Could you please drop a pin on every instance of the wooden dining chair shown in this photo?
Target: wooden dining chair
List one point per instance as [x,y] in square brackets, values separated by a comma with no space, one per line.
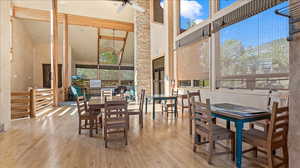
[192,96]
[116,121]
[169,105]
[139,111]
[265,124]
[275,138]
[91,118]
[207,129]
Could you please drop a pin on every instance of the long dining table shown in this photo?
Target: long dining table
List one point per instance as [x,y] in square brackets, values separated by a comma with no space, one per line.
[239,115]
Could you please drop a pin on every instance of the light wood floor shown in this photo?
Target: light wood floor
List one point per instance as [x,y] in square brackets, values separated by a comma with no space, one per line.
[52,141]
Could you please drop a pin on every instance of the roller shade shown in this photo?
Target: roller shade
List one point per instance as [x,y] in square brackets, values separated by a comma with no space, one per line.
[195,36]
[247,10]
[193,61]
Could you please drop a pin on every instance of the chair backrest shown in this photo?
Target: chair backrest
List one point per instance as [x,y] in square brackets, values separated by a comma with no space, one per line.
[202,115]
[116,110]
[142,99]
[81,105]
[192,96]
[278,131]
[106,93]
[174,92]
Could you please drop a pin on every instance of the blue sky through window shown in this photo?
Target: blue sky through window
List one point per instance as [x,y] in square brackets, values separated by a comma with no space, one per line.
[225,3]
[259,29]
[193,12]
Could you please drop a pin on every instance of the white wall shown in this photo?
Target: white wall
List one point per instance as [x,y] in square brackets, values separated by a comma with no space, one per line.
[5,113]
[22,60]
[158,41]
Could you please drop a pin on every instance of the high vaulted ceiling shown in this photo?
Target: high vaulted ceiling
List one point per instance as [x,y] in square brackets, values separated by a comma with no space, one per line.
[83,40]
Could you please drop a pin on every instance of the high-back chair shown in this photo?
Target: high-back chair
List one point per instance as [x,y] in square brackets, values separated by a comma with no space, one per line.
[275,138]
[206,128]
[139,111]
[116,121]
[192,96]
[90,118]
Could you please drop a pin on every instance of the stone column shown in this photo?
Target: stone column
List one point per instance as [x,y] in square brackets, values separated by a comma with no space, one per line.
[142,59]
[294,126]
[5,55]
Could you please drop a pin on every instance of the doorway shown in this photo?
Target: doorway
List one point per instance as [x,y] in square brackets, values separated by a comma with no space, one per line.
[158,76]
[47,75]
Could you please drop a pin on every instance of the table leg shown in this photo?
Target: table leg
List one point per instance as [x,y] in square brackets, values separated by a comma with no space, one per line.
[176,112]
[182,106]
[239,143]
[228,124]
[146,105]
[153,110]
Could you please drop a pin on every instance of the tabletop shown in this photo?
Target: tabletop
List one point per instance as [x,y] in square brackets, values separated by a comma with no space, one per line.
[238,112]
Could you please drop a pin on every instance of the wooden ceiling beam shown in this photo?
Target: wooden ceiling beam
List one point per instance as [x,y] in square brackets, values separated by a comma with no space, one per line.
[112,38]
[43,15]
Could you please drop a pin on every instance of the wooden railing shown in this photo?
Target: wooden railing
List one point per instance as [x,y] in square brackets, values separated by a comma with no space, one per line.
[20,105]
[30,103]
[41,98]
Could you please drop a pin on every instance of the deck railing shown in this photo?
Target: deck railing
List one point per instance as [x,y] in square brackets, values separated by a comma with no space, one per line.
[20,105]
[30,103]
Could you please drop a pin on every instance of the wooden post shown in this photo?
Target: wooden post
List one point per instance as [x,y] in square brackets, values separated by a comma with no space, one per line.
[54,52]
[98,54]
[66,77]
[170,42]
[32,102]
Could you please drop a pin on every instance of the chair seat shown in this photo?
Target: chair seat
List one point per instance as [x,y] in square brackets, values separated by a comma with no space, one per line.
[255,137]
[134,111]
[218,132]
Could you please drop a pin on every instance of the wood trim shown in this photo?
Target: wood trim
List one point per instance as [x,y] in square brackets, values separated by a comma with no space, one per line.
[98,54]
[54,51]
[112,38]
[66,55]
[123,49]
[43,15]
[171,39]
[107,67]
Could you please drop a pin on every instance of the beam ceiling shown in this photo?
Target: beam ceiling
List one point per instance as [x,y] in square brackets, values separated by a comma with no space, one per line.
[44,15]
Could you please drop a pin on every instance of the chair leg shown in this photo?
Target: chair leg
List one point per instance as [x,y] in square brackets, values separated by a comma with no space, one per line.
[141,120]
[285,154]
[126,137]
[210,152]
[96,126]
[233,148]
[105,136]
[79,128]
[191,124]
[270,158]
[91,127]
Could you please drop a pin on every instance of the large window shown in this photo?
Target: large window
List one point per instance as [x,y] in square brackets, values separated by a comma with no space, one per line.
[193,12]
[225,3]
[254,53]
[158,11]
[109,77]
